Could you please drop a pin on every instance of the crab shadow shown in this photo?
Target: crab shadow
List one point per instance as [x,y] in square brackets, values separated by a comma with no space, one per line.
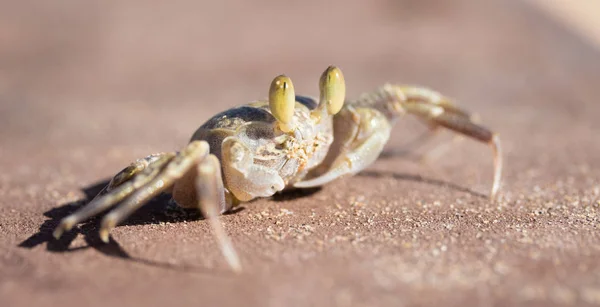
[411,156]
[161,210]
[295,194]
[418,178]
[156,211]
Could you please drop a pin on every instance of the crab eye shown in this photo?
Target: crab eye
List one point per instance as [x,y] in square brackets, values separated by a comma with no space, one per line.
[333,89]
[282,100]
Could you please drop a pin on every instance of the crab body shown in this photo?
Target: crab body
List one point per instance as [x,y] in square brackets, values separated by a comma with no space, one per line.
[284,142]
[244,141]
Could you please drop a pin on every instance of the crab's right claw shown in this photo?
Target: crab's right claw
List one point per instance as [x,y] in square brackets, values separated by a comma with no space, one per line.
[282,101]
[368,132]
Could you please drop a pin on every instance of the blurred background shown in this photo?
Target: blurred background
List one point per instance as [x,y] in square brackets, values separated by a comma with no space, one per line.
[145,74]
[151,50]
[102,64]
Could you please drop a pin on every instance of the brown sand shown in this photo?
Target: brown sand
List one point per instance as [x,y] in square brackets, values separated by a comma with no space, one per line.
[85,88]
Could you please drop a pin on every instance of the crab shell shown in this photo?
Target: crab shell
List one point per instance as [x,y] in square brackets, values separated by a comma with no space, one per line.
[291,155]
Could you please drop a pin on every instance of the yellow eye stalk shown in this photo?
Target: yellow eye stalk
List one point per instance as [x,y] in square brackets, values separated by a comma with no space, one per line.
[333,89]
[282,101]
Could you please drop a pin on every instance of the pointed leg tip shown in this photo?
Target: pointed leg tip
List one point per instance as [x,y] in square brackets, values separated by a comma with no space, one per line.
[497,166]
[234,262]
[225,244]
[231,256]
[65,225]
[494,192]
[237,269]
[104,235]
[107,224]
[58,232]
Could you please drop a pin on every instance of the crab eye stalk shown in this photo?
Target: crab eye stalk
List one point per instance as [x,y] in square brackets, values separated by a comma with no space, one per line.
[333,89]
[282,100]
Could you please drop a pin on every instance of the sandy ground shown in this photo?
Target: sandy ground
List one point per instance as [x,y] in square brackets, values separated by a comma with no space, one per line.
[87,87]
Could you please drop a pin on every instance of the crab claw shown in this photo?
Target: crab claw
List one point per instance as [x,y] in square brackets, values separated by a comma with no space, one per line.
[333,89]
[282,101]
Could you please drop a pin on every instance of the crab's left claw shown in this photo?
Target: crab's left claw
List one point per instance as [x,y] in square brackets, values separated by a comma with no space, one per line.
[366,131]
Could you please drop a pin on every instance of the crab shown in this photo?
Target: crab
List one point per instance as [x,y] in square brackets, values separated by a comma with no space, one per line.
[268,146]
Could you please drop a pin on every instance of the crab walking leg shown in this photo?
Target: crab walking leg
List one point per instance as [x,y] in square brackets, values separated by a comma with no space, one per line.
[468,128]
[137,167]
[193,154]
[392,99]
[122,185]
[367,132]
[209,186]
[437,110]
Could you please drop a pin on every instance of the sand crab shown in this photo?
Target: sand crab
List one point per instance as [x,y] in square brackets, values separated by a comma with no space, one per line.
[265,147]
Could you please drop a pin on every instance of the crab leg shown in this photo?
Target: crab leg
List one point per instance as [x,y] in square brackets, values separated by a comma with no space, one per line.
[353,123]
[431,106]
[437,110]
[122,185]
[193,154]
[211,192]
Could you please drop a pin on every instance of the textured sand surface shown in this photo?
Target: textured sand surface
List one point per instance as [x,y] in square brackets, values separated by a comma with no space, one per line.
[86,87]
